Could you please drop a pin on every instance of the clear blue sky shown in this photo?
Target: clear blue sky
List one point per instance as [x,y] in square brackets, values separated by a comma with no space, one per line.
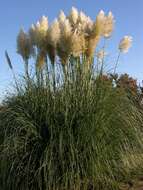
[16,13]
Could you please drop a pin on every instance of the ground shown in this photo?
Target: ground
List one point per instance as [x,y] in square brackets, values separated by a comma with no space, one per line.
[133,185]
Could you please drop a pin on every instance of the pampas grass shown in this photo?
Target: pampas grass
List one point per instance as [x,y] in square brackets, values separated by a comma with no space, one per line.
[69,127]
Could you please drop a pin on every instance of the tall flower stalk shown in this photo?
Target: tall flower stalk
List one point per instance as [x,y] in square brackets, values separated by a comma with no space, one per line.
[116,63]
[11,67]
[25,49]
[124,46]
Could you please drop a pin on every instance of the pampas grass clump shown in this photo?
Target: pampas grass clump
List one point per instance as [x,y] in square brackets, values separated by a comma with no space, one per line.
[69,126]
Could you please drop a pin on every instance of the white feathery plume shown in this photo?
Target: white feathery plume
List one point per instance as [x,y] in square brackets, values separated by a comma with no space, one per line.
[61,17]
[82,17]
[43,24]
[73,16]
[66,28]
[88,26]
[53,34]
[38,32]
[77,44]
[108,25]
[32,34]
[104,25]
[24,45]
[101,54]
[64,44]
[125,44]
[99,24]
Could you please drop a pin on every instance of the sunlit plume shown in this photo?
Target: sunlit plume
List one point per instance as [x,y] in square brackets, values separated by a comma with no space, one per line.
[66,28]
[88,26]
[39,31]
[125,44]
[32,34]
[64,45]
[53,36]
[104,25]
[94,34]
[82,17]
[43,24]
[53,33]
[78,44]
[92,43]
[85,23]
[61,17]
[24,45]
[101,54]
[108,25]
[73,16]
[99,24]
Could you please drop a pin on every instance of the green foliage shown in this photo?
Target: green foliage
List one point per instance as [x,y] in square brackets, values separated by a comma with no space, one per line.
[81,134]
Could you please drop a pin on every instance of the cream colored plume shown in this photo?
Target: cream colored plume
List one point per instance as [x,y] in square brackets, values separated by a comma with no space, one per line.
[85,23]
[32,34]
[24,45]
[101,54]
[64,45]
[92,43]
[53,33]
[53,37]
[73,16]
[66,28]
[78,44]
[94,33]
[61,17]
[99,24]
[42,25]
[38,32]
[108,25]
[125,44]
[104,24]
[88,26]
[82,17]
